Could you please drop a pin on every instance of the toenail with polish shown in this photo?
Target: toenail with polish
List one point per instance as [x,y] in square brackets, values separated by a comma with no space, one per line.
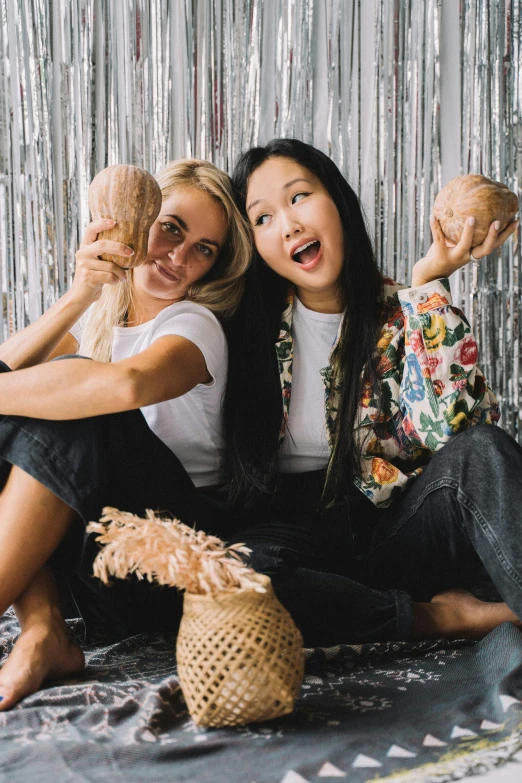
[1,698]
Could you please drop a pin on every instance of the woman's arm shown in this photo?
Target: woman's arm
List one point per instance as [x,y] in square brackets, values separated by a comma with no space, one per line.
[42,339]
[67,345]
[442,259]
[79,388]
[36,342]
[442,390]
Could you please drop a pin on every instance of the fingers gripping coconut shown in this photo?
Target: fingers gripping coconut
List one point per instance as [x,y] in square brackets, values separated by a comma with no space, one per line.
[132,197]
[476,196]
[124,201]
[472,216]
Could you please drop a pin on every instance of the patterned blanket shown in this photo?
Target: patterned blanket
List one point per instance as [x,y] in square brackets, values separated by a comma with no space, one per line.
[425,712]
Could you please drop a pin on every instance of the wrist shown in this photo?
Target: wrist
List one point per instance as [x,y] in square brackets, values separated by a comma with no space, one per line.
[79,300]
[74,306]
[420,274]
[417,280]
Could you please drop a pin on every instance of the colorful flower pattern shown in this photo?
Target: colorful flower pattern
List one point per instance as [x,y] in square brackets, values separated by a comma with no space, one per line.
[431,388]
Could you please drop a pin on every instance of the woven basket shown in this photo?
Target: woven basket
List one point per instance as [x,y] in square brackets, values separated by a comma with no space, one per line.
[240,657]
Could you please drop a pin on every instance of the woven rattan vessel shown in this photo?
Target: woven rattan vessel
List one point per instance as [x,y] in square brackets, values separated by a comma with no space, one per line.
[240,657]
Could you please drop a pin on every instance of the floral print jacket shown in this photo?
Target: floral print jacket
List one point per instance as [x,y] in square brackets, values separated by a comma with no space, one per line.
[431,387]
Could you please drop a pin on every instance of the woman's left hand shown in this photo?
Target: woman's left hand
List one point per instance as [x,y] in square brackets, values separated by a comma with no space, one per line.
[443,258]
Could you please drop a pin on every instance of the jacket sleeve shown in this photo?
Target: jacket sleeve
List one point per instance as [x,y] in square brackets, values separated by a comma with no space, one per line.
[442,391]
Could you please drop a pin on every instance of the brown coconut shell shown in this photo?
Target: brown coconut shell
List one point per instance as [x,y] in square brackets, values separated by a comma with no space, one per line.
[473,195]
[132,197]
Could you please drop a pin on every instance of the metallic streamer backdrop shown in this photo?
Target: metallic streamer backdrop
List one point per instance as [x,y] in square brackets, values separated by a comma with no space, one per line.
[491,142]
[88,83]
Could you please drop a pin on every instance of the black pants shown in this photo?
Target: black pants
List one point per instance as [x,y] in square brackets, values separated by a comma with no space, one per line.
[317,560]
[460,524]
[349,574]
[111,460]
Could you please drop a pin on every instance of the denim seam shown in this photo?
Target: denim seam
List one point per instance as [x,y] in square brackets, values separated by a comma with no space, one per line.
[48,451]
[467,503]
[403,630]
[503,560]
[442,482]
[82,495]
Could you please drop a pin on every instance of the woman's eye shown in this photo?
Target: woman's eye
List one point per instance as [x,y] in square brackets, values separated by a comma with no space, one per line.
[261,220]
[298,197]
[205,250]
[172,228]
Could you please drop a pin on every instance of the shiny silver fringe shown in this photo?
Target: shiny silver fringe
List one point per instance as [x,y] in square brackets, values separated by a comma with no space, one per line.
[87,83]
[491,143]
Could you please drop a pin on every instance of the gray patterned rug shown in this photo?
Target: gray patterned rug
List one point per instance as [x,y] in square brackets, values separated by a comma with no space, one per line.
[425,712]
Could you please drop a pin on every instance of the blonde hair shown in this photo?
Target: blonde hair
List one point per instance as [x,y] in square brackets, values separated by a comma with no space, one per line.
[220,290]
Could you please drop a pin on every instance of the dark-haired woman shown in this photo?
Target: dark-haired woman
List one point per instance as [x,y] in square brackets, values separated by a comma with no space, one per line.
[353,410]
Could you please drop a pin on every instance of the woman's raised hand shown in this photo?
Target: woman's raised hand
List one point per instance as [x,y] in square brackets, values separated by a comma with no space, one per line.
[91,272]
[443,258]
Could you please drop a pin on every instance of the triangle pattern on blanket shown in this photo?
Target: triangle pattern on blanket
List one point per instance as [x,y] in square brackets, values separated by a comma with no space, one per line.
[507,701]
[400,753]
[430,741]
[329,770]
[458,731]
[487,724]
[366,761]
[294,777]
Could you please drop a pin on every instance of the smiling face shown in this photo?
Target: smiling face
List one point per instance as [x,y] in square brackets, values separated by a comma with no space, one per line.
[184,243]
[298,230]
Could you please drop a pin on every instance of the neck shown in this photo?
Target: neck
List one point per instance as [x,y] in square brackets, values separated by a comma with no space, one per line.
[328,302]
[143,309]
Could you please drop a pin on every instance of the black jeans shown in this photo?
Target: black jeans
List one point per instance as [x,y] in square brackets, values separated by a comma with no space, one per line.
[111,460]
[316,558]
[458,525]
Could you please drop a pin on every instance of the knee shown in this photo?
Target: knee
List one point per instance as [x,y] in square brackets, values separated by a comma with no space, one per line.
[485,436]
[488,445]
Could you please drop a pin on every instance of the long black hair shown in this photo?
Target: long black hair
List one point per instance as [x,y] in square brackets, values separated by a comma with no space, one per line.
[253,402]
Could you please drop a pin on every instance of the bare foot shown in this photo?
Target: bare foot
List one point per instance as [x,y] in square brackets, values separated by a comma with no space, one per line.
[42,651]
[458,614]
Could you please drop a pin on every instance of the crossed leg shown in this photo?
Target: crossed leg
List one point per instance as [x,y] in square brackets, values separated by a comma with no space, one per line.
[33,521]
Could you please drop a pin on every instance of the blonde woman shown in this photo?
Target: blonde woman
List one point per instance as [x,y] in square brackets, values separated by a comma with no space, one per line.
[136,425]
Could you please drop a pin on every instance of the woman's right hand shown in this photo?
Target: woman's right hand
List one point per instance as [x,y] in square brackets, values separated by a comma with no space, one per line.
[91,272]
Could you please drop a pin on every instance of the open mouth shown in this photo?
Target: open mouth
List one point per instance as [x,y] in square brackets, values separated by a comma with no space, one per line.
[307,252]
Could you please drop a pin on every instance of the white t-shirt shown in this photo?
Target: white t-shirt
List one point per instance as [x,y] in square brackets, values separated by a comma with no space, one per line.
[305,446]
[190,425]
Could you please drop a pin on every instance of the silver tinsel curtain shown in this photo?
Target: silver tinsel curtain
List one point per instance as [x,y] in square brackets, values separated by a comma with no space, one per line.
[403,94]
